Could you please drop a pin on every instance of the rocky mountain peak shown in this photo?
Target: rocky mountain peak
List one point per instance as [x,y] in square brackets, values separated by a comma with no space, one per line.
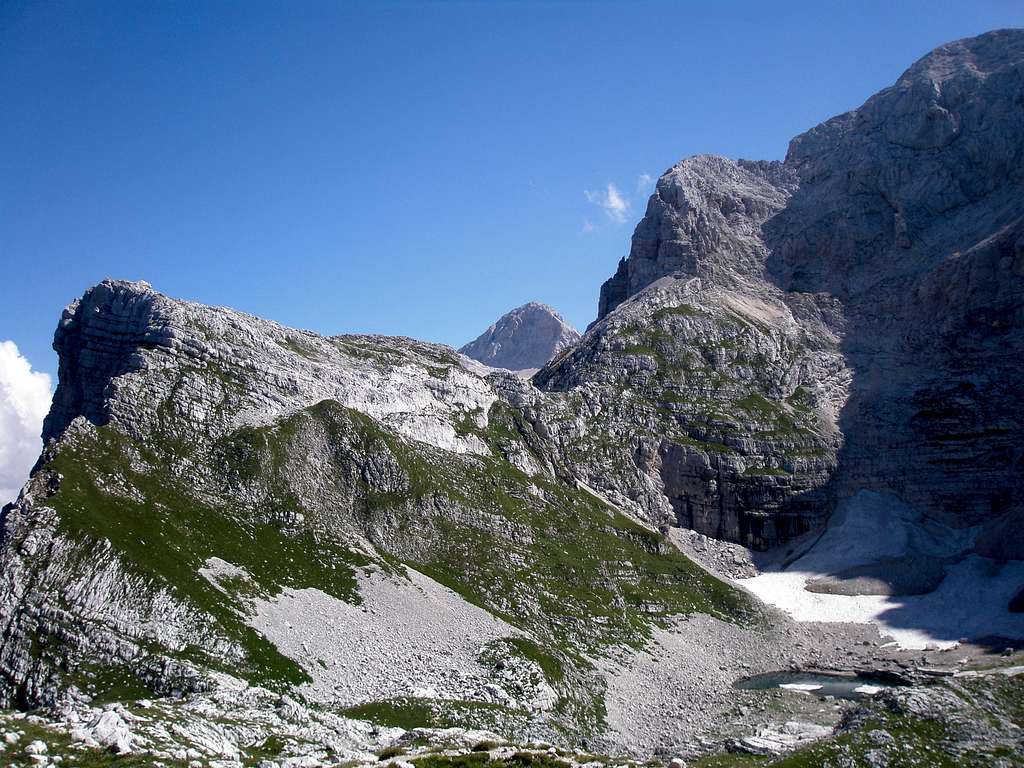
[974,57]
[888,248]
[923,151]
[525,338]
[703,220]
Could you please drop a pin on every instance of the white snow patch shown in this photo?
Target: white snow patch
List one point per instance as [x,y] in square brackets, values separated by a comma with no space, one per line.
[868,690]
[971,601]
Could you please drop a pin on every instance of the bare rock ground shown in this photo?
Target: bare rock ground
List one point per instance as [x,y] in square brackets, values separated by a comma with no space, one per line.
[677,695]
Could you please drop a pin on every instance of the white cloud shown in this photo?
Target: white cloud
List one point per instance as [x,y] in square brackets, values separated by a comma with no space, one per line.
[24,400]
[611,200]
[644,184]
[588,226]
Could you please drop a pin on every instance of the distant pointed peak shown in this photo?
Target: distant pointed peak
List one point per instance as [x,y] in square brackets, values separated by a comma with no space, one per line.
[524,338]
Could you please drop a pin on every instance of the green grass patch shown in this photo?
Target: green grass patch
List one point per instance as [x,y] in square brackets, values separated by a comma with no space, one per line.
[729,760]
[709,446]
[771,471]
[410,713]
[482,760]
[680,310]
[549,664]
[757,404]
[298,346]
[165,534]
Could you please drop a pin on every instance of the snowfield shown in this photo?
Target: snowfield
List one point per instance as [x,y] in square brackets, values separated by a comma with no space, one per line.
[971,601]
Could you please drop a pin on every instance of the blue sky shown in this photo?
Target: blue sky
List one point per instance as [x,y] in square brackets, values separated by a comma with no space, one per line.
[406,168]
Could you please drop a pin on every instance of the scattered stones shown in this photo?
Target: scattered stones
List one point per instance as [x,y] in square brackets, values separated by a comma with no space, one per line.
[398,641]
[110,730]
[776,740]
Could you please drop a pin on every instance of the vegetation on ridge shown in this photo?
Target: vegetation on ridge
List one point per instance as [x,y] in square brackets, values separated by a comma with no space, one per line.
[539,552]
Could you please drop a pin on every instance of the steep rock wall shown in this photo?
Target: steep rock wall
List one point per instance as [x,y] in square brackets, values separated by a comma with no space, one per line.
[901,224]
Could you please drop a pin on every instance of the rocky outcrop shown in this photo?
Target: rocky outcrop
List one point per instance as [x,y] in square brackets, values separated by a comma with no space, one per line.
[524,339]
[740,383]
[703,220]
[124,347]
[893,238]
[910,212]
[708,407]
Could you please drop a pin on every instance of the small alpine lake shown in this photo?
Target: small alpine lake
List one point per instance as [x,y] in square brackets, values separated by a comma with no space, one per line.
[817,683]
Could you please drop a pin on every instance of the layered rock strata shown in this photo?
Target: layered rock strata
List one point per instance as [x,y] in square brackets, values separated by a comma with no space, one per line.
[891,242]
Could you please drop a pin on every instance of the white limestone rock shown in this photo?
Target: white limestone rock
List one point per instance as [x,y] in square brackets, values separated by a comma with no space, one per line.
[523,339]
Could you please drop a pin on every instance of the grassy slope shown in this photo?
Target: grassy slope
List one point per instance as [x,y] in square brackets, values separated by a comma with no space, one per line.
[165,533]
[544,555]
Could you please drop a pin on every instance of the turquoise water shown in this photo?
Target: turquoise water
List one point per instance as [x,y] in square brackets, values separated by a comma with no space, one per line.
[824,685]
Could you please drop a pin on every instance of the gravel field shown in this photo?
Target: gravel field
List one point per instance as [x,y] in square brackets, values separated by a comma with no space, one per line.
[409,637]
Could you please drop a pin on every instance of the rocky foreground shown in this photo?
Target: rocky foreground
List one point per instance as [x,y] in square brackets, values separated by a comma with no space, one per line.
[246,544]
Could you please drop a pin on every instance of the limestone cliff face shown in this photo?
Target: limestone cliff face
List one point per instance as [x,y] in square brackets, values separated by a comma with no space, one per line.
[703,220]
[523,339]
[893,237]
[124,347]
[910,212]
[709,407]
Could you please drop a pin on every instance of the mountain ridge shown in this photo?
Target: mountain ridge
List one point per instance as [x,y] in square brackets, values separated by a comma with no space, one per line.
[222,502]
[894,235]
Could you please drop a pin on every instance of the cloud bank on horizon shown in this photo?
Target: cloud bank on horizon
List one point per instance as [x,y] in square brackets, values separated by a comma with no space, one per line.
[25,397]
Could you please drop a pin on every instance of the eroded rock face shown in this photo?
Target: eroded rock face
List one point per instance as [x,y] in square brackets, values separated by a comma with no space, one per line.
[706,407]
[124,347]
[729,388]
[893,238]
[703,220]
[910,211]
[523,339]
